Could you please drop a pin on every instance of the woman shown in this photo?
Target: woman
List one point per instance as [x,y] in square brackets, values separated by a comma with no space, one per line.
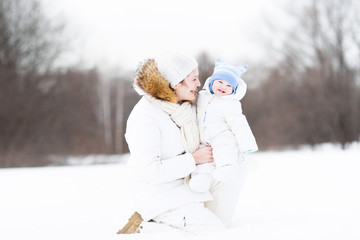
[163,139]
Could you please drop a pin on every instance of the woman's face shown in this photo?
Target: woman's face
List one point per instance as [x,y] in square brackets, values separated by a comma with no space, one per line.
[186,90]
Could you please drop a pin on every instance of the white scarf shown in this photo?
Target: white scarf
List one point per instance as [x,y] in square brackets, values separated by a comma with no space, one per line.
[183,116]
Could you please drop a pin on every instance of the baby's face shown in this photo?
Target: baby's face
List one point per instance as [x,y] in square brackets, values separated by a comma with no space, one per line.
[221,88]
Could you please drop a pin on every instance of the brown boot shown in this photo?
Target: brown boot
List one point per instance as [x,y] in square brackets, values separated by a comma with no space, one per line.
[132,225]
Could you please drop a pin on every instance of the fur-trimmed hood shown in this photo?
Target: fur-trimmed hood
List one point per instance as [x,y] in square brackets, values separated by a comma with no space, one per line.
[149,81]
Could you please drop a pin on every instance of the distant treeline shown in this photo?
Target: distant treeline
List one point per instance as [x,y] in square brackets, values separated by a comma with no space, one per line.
[310,96]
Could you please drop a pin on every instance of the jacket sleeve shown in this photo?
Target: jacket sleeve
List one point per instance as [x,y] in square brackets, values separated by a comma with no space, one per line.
[144,139]
[239,125]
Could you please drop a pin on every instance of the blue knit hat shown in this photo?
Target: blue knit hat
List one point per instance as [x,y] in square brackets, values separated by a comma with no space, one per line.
[227,72]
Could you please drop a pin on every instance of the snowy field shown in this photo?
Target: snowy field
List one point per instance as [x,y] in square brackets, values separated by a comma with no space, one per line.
[304,194]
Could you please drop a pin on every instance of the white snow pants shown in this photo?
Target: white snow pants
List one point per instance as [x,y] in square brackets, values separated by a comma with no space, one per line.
[226,159]
[191,218]
[198,217]
[225,149]
[226,195]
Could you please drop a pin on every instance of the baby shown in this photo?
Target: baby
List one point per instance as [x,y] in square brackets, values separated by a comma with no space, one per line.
[222,125]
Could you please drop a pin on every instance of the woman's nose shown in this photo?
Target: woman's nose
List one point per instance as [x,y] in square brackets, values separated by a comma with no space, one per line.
[197,83]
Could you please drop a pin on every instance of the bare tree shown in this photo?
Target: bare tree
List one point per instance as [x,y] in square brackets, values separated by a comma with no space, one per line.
[43,111]
[206,67]
[119,116]
[319,52]
[29,42]
[313,94]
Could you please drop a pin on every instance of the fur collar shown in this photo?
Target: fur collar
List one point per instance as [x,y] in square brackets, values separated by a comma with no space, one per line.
[151,82]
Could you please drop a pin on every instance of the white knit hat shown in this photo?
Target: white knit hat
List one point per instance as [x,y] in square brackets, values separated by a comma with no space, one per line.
[175,67]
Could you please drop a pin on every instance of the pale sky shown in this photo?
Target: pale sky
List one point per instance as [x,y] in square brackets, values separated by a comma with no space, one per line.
[119,34]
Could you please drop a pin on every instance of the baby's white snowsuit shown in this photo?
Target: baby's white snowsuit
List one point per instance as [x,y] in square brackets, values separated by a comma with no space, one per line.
[224,127]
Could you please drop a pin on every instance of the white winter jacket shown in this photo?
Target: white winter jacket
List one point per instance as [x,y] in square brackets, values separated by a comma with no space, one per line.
[217,115]
[158,162]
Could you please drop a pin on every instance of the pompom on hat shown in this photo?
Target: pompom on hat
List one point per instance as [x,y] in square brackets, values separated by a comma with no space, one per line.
[175,67]
[227,72]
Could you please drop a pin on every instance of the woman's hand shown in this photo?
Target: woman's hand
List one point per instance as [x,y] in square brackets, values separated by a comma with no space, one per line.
[203,155]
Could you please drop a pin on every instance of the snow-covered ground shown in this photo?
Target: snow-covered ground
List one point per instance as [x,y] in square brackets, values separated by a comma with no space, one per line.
[304,194]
